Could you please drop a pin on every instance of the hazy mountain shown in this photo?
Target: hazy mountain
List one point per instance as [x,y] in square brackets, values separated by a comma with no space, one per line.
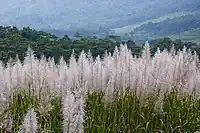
[64,14]
[185,27]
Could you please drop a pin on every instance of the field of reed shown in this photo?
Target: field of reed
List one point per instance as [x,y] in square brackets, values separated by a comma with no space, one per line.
[118,93]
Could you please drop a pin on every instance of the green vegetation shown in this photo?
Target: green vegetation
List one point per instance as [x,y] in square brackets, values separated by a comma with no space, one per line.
[145,103]
[129,28]
[49,121]
[183,25]
[126,114]
[171,26]
[110,14]
[189,35]
[14,41]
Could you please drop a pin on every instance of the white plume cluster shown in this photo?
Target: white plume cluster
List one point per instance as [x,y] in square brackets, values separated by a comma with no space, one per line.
[118,71]
[30,124]
[145,75]
[73,113]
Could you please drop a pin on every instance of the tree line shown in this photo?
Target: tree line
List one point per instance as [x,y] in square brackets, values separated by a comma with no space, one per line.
[14,41]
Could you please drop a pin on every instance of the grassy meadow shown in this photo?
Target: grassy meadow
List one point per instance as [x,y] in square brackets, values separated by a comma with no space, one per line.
[118,93]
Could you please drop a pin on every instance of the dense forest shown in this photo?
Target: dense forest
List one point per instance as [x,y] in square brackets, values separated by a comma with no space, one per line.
[15,41]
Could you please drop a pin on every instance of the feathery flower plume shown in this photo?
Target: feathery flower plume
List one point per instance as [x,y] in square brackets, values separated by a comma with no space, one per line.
[73,113]
[29,124]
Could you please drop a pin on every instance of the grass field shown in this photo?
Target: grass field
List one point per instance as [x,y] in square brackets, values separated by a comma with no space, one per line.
[125,114]
[117,94]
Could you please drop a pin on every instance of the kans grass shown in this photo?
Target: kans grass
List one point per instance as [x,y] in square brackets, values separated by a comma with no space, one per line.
[119,93]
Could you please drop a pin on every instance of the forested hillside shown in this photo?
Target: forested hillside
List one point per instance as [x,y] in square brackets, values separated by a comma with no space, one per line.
[170,26]
[87,14]
[14,41]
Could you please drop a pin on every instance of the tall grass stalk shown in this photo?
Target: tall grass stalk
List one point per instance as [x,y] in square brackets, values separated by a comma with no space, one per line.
[118,93]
